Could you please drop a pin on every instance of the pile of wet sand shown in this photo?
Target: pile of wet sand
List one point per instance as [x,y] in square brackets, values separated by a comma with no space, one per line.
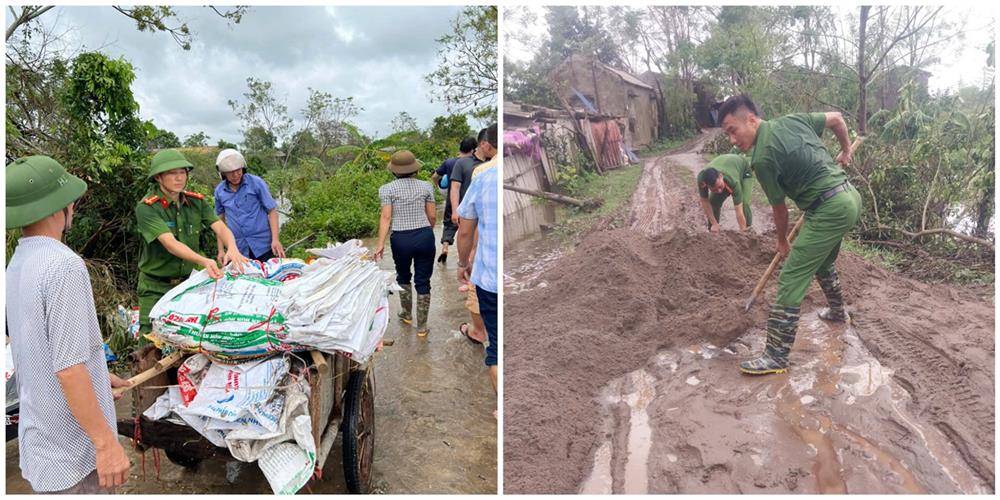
[620,298]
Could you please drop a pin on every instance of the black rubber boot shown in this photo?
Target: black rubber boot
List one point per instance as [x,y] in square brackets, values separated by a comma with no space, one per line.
[781,325]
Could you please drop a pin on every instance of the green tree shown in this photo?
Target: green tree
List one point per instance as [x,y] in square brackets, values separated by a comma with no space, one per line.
[196,140]
[159,139]
[450,129]
[403,122]
[466,76]
[265,117]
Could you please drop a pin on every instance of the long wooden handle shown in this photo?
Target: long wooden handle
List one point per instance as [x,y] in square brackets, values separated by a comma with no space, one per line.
[161,366]
[774,264]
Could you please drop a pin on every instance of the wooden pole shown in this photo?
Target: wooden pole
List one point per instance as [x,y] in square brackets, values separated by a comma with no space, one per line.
[548,196]
[161,366]
[319,361]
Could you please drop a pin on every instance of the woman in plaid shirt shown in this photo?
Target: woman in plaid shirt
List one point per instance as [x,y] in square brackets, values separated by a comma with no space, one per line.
[408,209]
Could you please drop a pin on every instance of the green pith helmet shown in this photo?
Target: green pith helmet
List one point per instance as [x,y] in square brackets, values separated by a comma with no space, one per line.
[167,160]
[37,187]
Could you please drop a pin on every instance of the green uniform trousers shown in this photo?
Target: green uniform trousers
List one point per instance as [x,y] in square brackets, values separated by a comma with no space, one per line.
[716,200]
[816,248]
[150,290]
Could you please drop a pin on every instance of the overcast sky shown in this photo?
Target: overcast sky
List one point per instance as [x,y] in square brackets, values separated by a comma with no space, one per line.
[962,61]
[378,55]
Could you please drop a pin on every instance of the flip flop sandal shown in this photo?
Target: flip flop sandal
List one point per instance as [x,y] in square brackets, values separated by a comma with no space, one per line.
[423,333]
[443,258]
[465,332]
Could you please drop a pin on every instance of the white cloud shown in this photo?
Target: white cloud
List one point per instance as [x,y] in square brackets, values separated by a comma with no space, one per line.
[378,55]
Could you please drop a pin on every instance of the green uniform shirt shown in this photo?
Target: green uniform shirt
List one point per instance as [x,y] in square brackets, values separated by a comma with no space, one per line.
[734,168]
[186,219]
[790,160]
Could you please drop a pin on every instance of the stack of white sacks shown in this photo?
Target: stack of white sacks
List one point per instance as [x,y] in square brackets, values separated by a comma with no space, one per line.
[337,303]
[257,409]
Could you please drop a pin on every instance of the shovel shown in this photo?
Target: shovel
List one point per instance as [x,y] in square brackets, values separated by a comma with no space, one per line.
[774,264]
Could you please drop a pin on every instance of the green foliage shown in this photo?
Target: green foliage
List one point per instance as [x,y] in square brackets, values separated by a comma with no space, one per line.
[527,83]
[738,51]
[264,116]
[678,103]
[159,139]
[224,144]
[451,128]
[575,30]
[343,206]
[929,166]
[572,167]
[466,76]
[197,140]
[338,203]
[664,145]
[613,190]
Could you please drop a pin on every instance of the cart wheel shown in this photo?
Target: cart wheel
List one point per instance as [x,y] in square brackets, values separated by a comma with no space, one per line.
[186,461]
[359,431]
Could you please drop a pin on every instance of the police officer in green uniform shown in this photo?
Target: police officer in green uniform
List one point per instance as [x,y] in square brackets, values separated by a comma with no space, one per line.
[790,160]
[726,175]
[170,222]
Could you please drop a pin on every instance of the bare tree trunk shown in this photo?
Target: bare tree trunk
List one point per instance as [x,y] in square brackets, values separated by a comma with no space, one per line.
[862,76]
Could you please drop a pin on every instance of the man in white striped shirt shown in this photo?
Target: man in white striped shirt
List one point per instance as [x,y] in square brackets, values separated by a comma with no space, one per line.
[67,433]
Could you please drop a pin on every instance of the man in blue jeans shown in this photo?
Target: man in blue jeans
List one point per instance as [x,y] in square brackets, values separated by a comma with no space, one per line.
[478,213]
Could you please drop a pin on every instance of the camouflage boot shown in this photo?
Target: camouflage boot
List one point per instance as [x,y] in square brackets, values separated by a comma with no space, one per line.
[406,304]
[781,326]
[834,297]
[423,308]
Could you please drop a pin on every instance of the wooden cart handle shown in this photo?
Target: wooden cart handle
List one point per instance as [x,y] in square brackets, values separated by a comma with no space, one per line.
[161,366]
[319,361]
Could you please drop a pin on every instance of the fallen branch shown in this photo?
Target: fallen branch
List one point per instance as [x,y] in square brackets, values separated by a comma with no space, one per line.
[550,196]
[954,234]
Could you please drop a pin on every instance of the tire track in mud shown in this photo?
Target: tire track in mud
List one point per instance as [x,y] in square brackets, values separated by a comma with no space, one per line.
[665,199]
[659,202]
[939,387]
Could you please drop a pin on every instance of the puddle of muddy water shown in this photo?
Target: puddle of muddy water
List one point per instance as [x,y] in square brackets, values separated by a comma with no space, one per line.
[535,256]
[831,416]
[635,391]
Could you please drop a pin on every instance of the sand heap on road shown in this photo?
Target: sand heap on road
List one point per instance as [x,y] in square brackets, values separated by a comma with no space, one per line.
[617,300]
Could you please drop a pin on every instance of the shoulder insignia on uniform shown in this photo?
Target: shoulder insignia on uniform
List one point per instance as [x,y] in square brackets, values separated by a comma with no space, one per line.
[152,199]
[194,195]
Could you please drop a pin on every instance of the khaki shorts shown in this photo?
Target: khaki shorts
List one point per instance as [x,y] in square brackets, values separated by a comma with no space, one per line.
[471,301]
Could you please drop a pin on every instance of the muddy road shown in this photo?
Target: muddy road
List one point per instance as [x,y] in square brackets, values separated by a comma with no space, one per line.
[434,426]
[633,387]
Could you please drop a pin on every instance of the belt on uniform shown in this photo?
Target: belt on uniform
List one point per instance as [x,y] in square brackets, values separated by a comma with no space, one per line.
[826,195]
[169,281]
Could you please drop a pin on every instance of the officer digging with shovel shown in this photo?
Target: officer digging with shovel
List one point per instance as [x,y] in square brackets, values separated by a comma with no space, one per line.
[790,160]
